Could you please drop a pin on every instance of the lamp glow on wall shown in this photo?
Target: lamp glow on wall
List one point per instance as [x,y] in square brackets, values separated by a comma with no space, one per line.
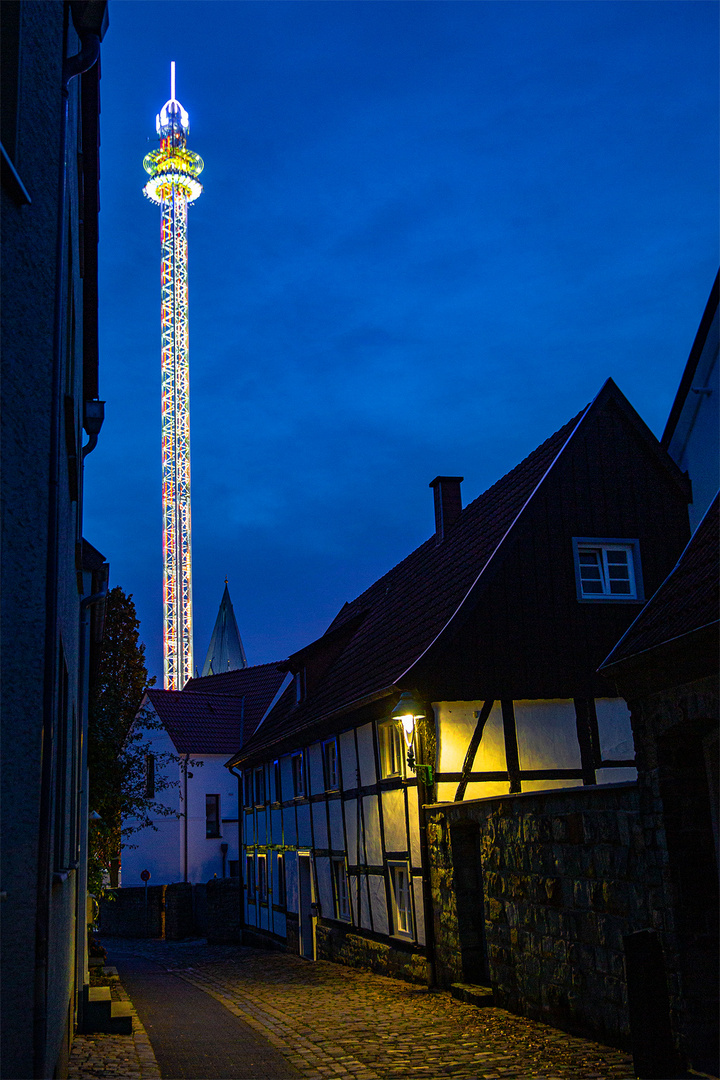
[407,711]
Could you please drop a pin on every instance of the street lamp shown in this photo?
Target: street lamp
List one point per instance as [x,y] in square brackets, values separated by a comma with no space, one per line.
[407,711]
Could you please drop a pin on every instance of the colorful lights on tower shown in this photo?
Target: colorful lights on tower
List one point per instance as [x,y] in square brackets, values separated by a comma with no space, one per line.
[173,185]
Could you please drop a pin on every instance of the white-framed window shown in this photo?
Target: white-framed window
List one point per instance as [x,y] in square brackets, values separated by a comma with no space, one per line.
[340,889]
[607,569]
[262,879]
[212,816]
[392,749]
[298,774]
[281,889]
[330,764]
[259,778]
[247,787]
[250,876]
[400,886]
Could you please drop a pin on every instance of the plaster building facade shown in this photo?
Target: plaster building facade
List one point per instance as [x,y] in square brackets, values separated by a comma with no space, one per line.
[190,733]
[51,580]
[467,673]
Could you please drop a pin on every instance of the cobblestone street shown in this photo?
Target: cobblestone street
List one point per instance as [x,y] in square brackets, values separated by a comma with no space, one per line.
[331,1021]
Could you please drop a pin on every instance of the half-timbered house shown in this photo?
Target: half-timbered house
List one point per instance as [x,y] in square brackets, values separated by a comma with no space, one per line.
[468,670]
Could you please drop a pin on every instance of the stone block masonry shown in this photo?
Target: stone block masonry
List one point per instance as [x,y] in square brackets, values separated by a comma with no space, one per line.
[563,875]
[176,911]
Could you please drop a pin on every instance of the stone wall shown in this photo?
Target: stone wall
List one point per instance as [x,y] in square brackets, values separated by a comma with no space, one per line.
[565,875]
[343,946]
[179,921]
[123,912]
[174,911]
[675,733]
[223,897]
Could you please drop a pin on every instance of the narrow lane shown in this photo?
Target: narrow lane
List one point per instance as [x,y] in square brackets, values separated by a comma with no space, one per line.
[192,1035]
[331,1021]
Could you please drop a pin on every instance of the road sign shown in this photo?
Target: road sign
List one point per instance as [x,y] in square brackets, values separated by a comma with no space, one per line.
[145,875]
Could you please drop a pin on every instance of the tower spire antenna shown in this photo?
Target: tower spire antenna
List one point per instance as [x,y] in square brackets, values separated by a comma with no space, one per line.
[173,185]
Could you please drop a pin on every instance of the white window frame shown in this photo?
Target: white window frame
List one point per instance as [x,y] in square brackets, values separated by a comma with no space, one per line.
[250,876]
[281,880]
[298,774]
[330,765]
[600,546]
[401,899]
[262,879]
[247,787]
[259,786]
[341,892]
[391,746]
[208,818]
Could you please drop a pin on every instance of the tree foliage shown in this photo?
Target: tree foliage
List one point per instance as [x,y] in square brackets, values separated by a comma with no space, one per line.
[116,758]
[119,742]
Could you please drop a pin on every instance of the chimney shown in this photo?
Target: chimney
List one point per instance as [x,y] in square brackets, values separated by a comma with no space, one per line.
[448,503]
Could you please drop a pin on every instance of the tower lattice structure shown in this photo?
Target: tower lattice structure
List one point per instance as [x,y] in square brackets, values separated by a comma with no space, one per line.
[173,185]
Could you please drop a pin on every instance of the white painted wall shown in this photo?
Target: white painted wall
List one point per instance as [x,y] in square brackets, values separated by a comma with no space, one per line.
[161,850]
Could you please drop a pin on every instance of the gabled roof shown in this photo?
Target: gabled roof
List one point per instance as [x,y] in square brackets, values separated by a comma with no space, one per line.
[687,601]
[417,603]
[258,680]
[701,340]
[225,652]
[216,714]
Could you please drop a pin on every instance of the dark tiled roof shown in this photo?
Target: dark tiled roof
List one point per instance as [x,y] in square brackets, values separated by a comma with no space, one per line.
[410,605]
[687,600]
[259,679]
[216,714]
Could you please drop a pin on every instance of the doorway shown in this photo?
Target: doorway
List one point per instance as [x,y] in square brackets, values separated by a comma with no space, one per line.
[306,907]
[467,871]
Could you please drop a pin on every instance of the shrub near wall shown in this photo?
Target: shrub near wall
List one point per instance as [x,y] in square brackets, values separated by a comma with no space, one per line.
[565,875]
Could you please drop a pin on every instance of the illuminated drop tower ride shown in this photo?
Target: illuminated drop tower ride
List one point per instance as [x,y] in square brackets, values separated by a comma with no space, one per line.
[173,184]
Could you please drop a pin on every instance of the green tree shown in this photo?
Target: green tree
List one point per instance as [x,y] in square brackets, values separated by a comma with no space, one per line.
[117,746]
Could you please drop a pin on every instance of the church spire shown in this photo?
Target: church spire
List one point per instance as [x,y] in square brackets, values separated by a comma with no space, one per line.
[226,651]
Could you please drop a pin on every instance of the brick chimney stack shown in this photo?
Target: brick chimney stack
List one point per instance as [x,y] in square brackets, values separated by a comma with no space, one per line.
[448,503]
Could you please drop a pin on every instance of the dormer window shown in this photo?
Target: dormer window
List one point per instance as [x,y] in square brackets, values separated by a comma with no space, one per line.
[607,570]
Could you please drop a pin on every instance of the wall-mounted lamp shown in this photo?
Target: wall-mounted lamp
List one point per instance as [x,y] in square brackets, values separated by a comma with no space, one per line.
[407,711]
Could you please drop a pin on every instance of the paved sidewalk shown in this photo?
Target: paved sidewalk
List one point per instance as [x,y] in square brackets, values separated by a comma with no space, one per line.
[192,1034]
[329,1021]
[115,1057]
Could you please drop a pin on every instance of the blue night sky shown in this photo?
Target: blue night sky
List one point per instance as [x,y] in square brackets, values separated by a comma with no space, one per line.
[429,232]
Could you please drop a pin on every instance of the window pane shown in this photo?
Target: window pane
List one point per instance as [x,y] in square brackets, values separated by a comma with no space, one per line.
[212,815]
[591,571]
[618,570]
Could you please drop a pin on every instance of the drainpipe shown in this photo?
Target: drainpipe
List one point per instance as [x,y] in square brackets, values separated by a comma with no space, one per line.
[185,845]
[72,67]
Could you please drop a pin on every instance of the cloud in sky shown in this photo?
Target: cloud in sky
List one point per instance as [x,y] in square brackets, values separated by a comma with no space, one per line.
[429,232]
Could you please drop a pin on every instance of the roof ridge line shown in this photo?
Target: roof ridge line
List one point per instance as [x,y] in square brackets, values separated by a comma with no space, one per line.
[507,532]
